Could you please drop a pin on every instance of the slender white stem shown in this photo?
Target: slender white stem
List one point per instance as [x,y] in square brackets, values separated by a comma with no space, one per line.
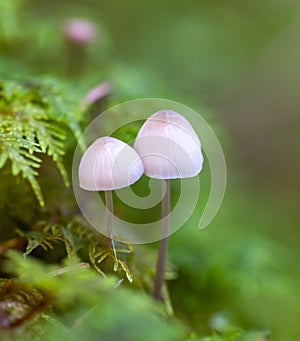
[109,219]
[163,244]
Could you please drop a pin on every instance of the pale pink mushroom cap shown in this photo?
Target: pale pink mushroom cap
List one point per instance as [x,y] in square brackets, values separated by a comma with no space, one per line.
[169,147]
[79,31]
[109,164]
[98,92]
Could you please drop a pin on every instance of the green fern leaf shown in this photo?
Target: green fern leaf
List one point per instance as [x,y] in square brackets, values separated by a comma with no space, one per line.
[36,118]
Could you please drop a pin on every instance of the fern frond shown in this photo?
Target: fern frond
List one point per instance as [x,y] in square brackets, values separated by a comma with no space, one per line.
[126,270]
[14,148]
[102,255]
[48,237]
[75,235]
[36,118]
[92,251]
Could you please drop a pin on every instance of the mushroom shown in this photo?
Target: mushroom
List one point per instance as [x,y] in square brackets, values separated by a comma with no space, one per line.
[78,34]
[109,164]
[95,98]
[169,148]
[97,93]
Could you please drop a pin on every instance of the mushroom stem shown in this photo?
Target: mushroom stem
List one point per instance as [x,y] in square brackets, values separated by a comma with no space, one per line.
[109,218]
[76,59]
[163,245]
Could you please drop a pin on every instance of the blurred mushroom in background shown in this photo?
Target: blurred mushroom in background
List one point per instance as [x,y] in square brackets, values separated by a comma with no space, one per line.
[78,35]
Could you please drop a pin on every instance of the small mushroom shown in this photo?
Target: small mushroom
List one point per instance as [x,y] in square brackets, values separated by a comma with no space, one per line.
[97,93]
[169,148]
[79,31]
[106,165]
[95,99]
[78,35]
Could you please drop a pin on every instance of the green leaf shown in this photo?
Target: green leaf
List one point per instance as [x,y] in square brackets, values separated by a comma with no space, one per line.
[36,118]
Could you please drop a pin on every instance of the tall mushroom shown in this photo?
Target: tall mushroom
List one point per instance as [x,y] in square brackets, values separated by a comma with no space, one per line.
[78,35]
[169,148]
[106,165]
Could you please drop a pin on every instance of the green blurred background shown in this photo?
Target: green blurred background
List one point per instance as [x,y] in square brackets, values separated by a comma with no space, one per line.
[238,64]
